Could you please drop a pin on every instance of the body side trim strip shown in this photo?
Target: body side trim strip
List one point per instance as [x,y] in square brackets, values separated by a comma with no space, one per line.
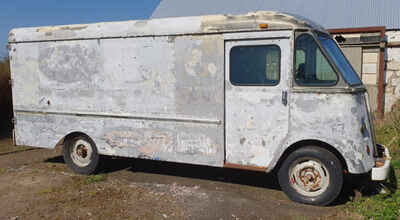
[122,116]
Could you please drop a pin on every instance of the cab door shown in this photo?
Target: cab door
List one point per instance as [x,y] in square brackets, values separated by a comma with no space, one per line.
[256,96]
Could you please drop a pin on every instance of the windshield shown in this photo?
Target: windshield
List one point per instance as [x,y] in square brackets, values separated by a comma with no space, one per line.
[340,60]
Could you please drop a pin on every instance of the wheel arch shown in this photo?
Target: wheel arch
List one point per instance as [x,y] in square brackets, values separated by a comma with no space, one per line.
[310,142]
[70,135]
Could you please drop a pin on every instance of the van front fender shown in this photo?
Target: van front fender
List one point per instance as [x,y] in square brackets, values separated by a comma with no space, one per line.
[355,158]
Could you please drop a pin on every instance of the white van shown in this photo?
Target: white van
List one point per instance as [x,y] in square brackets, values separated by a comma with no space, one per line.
[263,91]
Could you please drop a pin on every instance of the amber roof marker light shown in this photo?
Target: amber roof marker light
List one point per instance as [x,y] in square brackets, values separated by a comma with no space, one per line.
[263,26]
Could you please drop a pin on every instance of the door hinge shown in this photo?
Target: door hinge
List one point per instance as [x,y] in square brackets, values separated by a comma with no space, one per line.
[14,121]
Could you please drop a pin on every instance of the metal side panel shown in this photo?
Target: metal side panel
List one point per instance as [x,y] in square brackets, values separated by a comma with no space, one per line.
[157,77]
[124,93]
[341,120]
[167,140]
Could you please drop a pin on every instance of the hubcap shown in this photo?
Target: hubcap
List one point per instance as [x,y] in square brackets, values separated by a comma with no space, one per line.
[309,177]
[81,153]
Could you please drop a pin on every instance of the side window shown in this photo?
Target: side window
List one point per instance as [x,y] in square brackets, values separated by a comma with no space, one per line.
[255,65]
[312,67]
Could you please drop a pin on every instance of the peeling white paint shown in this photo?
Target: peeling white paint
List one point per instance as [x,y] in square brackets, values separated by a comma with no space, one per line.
[194,62]
[212,69]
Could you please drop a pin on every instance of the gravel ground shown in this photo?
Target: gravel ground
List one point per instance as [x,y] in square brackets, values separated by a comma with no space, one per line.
[36,184]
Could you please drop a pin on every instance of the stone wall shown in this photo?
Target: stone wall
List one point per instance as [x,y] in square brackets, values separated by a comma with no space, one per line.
[392,92]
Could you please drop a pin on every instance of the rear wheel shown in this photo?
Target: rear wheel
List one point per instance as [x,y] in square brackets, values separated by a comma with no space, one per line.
[311,175]
[80,154]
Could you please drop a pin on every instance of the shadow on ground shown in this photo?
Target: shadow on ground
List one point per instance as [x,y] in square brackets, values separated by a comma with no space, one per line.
[250,178]
[355,185]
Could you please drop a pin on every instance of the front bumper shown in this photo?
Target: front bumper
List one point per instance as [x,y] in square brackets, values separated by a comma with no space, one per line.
[382,164]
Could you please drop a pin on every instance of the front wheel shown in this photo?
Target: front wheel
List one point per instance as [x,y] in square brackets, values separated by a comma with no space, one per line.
[311,175]
[80,154]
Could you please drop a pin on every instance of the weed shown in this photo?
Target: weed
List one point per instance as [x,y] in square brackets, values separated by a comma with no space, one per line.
[2,171]
[92,193]
[45,191]
[396,164]
[95,178]
[394,117]
[388,131]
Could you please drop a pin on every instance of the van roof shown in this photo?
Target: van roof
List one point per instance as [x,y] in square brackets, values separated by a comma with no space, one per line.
[165,26]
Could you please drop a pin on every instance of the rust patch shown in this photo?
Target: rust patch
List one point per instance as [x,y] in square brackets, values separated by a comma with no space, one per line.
[62,28]
[122,138]
[251,20]
[74,28]
[245,167]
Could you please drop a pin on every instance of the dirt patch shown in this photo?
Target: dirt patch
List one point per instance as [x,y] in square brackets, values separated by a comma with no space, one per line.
[30,193]
[36,184]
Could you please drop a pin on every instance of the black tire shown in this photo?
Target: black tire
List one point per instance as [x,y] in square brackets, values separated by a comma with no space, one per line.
[311,162]
[80,154]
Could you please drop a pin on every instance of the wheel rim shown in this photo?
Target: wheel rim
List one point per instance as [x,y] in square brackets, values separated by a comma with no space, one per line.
[309,177]
[81,153]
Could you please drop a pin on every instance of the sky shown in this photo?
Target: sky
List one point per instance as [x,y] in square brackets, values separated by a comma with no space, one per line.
[29,13]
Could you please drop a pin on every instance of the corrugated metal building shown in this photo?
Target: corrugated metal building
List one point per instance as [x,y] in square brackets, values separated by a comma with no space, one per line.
[330,14]
[370,27]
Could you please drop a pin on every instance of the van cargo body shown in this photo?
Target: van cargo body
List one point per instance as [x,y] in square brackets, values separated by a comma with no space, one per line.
[261,91]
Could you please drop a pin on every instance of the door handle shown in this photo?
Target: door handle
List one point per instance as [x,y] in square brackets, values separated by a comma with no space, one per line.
[284,98]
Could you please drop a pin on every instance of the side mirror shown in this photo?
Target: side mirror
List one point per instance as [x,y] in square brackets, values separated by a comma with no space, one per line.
[340,39]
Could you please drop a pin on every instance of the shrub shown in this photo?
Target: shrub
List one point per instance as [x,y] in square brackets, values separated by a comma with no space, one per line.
[394,117]
[5,98]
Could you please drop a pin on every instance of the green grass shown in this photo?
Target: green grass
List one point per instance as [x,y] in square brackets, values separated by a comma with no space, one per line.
[92,193]
[45,191]
[379,206]
[389,137]
[396,164]
[387,205]
[95,178]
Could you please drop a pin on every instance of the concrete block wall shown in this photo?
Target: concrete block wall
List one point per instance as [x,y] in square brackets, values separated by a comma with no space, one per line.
[392,89]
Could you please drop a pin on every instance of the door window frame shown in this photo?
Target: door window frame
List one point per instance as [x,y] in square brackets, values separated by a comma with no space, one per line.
[256,84]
